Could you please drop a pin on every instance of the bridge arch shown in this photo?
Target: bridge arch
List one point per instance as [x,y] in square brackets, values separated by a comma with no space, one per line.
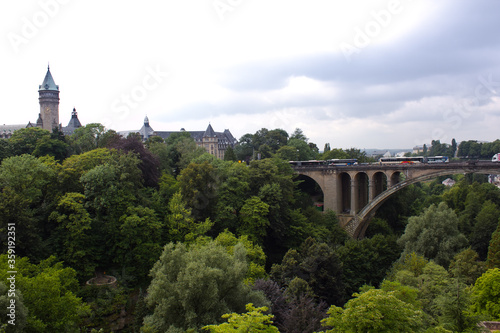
[358,225]
[379,184]
[310,186]
[344,195]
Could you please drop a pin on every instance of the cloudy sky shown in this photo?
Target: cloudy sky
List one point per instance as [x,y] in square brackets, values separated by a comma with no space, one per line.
[364,74]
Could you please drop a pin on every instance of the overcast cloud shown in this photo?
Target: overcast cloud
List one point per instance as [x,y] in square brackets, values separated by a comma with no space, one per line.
[365,74]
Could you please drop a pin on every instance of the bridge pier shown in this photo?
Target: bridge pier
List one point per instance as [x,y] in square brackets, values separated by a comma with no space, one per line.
[354,196]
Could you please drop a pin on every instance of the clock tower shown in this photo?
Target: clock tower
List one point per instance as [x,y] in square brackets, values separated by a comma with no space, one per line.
[48,96]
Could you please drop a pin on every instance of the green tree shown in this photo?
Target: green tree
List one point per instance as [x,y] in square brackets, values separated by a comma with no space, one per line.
[493,260]
[53,145]
[304,151]
[434,234]
[229,154]
[75,166]
[288,153]
[26,197]
[12,315]
[485,224]
[254,320]
[256,257]
[181,226]
[335,153]
[453,306]
[367,261]
[486,295]
[253,217]
[89,137]
[193,287]
[25,140]
[72,233]
[198,184]
[139,243]
[233,191]
[375,310]
[48,292]
[466,266]
[318,265]
[299,135]
[245,149]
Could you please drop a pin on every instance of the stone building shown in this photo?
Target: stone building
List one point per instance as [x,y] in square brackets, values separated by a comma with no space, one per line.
[215,143]
[48,117]
[48,96]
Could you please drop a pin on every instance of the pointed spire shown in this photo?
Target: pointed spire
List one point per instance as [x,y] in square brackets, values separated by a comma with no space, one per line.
[146,120]
[48,82]
[39,122]
[74,122]
[209,133]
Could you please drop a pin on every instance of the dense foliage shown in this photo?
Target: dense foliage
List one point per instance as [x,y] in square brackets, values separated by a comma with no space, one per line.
[201,244]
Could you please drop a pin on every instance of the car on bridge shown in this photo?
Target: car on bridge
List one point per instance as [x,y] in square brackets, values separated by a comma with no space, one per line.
[496,158]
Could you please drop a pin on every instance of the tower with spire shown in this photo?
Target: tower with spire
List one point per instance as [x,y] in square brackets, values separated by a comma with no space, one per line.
[48,96]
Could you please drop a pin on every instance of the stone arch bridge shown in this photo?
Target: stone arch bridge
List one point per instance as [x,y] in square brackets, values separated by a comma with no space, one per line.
[356,192]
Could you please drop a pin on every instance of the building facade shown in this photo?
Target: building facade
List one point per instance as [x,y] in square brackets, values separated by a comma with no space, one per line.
[215,143]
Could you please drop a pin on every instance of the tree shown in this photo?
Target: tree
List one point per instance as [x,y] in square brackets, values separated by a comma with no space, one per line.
[453,305]
[76,165]
[254,220]
[26,198]
[318,265]
[486,295]
[375,310]
[25,140]
[229,154]
[193,287]
[198,184]
[466,266]
[288,153]
[335,153]
[304,151]
[54,145]
[149,164]
[89,137]
[48,291]
[12,313]
[367,261]
[181,226]
[256,257]
[299,135]
[454,147]
[233,191]
[493,260]
[254,320]
[139,241]
[72,234]
[434,234]
[485,224]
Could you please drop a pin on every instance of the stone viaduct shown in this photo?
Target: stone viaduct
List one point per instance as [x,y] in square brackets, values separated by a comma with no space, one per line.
[356,192]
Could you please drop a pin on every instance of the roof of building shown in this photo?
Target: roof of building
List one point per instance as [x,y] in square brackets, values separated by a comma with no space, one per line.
[11,128]
[146,131]
[73,124]
[48,83]
[209,133]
